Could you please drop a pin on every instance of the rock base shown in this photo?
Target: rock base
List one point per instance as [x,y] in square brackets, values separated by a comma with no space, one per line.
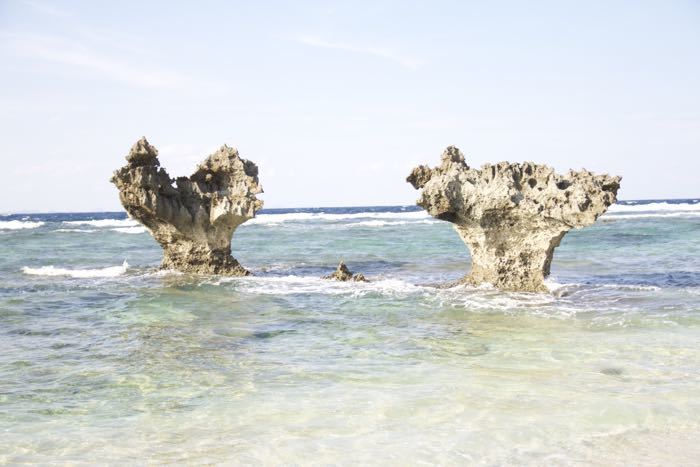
[202,261]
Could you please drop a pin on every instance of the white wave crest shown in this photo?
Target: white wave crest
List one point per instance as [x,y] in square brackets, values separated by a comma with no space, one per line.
[380,223]
[77,230]
[131,230]
[663,206]
[105,223]
[293,285]
[630,287]
[555,287]
[320,216]
[112,271]
[19,225]
[686,214]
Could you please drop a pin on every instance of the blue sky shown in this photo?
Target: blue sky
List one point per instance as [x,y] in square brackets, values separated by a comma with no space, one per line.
[336,102]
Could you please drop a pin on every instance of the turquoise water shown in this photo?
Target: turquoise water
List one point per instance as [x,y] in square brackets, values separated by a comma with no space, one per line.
[102,361]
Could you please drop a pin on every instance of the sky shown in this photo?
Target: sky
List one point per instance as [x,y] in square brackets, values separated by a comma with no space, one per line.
[337,101]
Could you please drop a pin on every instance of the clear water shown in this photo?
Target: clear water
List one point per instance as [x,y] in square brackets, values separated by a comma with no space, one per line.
[113,363]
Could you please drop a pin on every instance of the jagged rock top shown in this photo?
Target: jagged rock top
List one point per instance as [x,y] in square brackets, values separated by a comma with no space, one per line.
[225,167]
[455,192]
[228,183]
[343,274]
[142,154]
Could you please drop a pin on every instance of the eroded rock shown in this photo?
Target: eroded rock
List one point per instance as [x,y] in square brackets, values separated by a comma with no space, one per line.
[343,274]
[511,216]
[193,219]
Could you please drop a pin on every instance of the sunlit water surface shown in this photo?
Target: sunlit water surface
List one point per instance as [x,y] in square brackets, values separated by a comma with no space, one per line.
[113,363]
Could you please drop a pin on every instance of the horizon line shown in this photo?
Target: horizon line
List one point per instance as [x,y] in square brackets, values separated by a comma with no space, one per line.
[695,199]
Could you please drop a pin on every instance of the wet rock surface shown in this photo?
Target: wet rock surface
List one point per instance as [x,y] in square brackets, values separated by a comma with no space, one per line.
[192,218]
[511,215]
[343,274]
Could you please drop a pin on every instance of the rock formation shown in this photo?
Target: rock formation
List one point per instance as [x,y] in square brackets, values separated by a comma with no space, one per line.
[343,274]
[192,218]
[511,216]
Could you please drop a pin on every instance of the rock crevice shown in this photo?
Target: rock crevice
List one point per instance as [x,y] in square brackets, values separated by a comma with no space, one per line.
[193,219]
[511,216]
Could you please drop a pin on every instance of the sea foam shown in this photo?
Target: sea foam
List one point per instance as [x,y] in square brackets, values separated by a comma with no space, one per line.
[77,230]
[382,223]
[112,271]
[331,217]
[381,219]
[651,215]
[294,285]
[130,230]
[663,206]
[19,225]
[105,223]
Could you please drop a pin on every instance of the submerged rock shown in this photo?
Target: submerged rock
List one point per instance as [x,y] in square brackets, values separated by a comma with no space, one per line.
[511,216]
[192,218]
[343,274]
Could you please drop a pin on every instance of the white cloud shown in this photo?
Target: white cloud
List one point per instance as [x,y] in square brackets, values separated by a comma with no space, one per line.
[73,54]
[381,52]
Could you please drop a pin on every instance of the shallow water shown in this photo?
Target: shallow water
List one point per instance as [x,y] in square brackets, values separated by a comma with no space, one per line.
[101,360]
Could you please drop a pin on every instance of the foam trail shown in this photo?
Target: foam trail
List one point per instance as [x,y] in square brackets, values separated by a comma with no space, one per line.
[312,216]
[686,214]
[77,230]
[553,286]
[622,208]
[381,223]
[112,271]
[130,230]
[295,285]
[105,223]
[19,225]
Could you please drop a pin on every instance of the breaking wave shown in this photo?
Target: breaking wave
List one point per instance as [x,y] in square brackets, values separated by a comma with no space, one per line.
[127,230]
[331,217]
[650,215]
[105,223]
[292,285]
[649,207]
[130,230]
[19,225]
[77,230]
[380,223]
[112,271]
[564,301]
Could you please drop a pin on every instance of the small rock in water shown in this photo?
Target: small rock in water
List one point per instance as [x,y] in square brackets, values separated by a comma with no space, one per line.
[612,371]
[343,274]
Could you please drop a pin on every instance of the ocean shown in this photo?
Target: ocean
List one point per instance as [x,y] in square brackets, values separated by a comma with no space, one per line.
[106,359]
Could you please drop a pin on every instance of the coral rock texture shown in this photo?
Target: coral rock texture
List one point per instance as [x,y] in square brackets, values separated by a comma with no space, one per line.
[343,274]
[192,218]
[511,216]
